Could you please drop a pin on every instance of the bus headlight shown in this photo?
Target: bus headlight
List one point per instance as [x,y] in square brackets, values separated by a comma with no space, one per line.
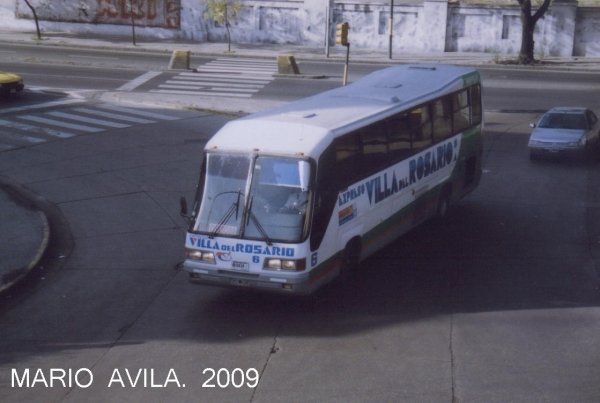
[205,256]
[285,264]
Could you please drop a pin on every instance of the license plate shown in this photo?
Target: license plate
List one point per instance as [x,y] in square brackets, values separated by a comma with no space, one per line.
[241,266]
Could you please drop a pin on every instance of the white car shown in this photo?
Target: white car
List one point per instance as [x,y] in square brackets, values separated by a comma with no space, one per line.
[565,130]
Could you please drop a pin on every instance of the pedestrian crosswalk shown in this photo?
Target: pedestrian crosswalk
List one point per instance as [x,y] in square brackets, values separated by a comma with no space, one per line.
[223,77]
[29,128]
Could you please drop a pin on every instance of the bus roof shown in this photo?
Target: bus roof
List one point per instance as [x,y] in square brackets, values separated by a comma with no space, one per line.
[306,126]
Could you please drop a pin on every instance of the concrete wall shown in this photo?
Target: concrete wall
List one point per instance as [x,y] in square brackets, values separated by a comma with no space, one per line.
[587,32]
[264,21]
[150,13]
[419,25]
[490,29]
[153,18]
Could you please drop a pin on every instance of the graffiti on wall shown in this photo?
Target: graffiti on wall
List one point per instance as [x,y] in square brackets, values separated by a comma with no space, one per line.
[163,13]
[149,13]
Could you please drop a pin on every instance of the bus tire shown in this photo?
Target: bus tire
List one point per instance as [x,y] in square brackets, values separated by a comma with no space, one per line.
[351,258]
[443,205]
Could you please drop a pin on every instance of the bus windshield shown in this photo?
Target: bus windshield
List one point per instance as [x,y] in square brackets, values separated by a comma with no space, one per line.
[264,198]
[223,198]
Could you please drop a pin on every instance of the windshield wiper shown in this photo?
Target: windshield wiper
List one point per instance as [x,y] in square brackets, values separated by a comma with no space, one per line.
[257,223]
[234,208]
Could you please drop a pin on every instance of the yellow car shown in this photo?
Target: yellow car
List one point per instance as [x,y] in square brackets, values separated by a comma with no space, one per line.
[10,83]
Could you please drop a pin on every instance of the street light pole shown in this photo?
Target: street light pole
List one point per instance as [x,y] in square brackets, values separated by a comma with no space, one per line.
[391,27]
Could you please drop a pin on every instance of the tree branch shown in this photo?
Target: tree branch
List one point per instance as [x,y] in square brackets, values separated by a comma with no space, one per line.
[540,11]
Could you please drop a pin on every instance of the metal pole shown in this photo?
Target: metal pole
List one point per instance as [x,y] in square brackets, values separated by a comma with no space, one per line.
[327,28]
[346,65]
[391,28]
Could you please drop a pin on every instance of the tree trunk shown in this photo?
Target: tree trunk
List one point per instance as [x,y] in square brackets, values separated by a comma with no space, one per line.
[37,24]
[132,23]
[228,31]
[527,42]
[528,22]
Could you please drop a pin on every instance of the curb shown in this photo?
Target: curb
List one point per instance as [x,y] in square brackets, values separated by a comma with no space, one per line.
[190,102]
[23,199]
[19,274]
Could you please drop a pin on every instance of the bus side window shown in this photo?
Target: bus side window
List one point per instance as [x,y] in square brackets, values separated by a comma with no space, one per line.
[347,159]
[442,118]
[475,101]
[374,147]
[420,127]
[399,142]
[460,111]
[200,187]
[326,192]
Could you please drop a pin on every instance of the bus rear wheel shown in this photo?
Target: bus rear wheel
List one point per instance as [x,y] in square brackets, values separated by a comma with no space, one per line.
[351,259]
[443,205]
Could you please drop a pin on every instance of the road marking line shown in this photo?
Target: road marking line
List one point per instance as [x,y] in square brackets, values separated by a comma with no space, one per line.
[233,89]
[113,115]
[147,114]
[248,67]
[136,82]
[36,129]
[20,138]
[42,105]
[247,62]
[195,88]
[181,87]
[225,70]
[241,59]
[59,123]
[88,120]
[211,83]
[223,77]
[201,93]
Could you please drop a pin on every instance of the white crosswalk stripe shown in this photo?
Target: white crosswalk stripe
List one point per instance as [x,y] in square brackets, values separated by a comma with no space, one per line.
[112,115]
[59,123]
[223,77]
[21,130]
[35,129]
[93,121]
[154,115]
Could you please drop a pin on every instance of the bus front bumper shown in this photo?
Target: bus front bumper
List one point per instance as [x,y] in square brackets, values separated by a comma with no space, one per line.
[271,282]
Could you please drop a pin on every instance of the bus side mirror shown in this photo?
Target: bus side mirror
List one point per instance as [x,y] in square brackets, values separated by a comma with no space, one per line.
[183,208]
[532,125]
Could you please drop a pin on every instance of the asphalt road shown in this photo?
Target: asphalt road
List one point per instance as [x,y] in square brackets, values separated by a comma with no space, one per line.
[506,88]
[499,303]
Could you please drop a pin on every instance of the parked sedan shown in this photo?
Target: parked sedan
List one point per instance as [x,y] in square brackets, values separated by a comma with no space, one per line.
[10,83]
[565,130]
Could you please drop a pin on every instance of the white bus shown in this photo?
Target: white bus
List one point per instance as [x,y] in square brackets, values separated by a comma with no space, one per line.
[290,198]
